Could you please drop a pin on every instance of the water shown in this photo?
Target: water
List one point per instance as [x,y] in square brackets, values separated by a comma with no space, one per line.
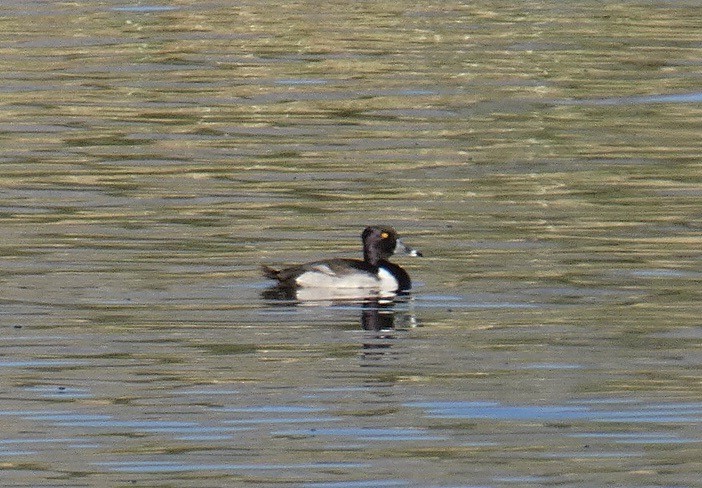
[544,157]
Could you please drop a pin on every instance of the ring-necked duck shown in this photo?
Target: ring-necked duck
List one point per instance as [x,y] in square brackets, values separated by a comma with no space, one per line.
[375,272]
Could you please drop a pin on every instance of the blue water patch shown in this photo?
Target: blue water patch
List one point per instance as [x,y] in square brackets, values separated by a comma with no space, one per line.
[16,453]
[550,366]
[497,411]
[636,437]
[282,420]
[369,434]
[357,484]
[40,440]
[694,97]
[200,393]
[62,417]
[60,391]
[665,273]
[144,8]
[274,409]
[482,301]
[63,441]
[676,98]
[301,81]
[204,438]
[171,467]
[42,363]
[139,425]
[33,414]
[541,480]
[626,412]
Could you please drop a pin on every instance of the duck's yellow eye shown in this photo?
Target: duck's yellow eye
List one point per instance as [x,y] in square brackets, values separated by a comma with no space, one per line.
[384,235]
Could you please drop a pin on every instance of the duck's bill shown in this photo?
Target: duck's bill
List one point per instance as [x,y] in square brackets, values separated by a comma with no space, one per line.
[400,248]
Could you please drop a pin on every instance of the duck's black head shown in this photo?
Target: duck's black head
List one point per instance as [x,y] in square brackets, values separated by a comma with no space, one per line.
[380,242]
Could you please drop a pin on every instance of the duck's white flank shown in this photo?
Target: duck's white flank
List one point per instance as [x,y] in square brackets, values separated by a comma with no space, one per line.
[322,276]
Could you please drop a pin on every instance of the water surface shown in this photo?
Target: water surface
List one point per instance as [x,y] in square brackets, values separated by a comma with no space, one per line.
[544,157]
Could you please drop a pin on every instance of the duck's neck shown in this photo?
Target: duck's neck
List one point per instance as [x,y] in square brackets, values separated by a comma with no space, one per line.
[372,256]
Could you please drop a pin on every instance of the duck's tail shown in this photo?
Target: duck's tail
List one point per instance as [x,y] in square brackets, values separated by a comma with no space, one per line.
[269,272]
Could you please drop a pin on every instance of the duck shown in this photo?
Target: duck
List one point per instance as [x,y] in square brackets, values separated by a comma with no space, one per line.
[374,273]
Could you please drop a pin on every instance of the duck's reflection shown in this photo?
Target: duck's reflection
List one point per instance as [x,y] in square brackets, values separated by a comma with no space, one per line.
[378,316]
[321,297]
[377,311]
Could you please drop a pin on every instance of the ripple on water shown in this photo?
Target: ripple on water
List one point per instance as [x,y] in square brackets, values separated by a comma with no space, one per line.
[626,411]
[357,484]
[171,467]
[363,434]
[693,97]
[144,8]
